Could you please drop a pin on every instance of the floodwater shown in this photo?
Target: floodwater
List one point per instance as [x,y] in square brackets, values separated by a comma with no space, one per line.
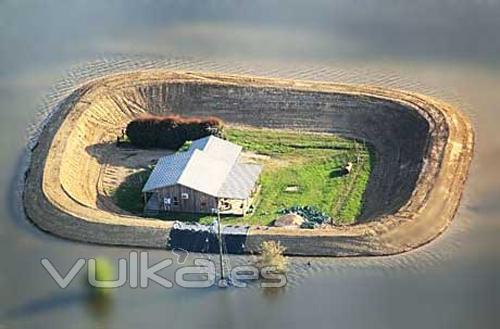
[449,49]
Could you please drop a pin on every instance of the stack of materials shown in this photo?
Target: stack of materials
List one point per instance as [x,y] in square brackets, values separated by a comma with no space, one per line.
[312,217]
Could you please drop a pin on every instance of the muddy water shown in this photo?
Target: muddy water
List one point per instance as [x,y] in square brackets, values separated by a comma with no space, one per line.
[448,50]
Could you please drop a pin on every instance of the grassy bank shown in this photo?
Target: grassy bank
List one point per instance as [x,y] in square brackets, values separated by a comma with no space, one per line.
[298,169]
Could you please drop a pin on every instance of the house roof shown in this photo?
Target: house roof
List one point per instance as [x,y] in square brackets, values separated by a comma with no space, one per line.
[210,166]
[240,181]
[217,148]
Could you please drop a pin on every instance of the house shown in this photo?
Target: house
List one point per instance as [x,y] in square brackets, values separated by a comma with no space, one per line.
[207,177]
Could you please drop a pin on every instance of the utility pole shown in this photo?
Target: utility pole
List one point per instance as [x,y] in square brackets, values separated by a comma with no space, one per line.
[221,259]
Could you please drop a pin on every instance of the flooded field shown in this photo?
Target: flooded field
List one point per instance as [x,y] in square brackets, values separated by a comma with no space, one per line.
[449,51]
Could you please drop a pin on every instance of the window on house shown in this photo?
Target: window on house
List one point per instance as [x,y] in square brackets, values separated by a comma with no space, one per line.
[184,196]
[176,201]
[203,201]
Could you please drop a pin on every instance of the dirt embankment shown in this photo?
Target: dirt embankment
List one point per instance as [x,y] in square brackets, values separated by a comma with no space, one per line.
[423,151]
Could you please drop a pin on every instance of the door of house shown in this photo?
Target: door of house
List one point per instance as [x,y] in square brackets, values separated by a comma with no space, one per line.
[167,203]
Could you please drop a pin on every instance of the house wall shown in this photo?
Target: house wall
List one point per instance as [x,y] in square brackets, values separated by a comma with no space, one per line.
[196,202]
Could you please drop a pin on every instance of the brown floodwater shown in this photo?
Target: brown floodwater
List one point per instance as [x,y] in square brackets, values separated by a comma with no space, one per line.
[448,49]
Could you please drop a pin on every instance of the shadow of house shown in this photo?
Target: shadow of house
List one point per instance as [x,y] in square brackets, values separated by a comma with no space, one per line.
[108,153]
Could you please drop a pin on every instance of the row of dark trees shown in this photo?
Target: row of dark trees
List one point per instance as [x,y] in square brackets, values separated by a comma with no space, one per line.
[172,131]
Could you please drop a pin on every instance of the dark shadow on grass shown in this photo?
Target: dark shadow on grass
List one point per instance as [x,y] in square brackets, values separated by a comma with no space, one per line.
[100,152]
[128,195]
[336,173]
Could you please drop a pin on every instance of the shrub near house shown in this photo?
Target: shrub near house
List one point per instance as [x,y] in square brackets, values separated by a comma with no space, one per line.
[172,131]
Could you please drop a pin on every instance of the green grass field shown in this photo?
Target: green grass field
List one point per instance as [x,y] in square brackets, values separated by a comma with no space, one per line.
[128,195]
[310,163]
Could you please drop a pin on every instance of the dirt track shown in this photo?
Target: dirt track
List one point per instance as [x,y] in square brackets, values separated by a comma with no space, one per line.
[423,148]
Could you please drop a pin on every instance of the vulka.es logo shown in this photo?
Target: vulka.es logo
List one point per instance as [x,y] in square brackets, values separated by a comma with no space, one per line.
[137,272]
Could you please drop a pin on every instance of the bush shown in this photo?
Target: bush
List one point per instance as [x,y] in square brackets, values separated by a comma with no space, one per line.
[272,255]
[172,131]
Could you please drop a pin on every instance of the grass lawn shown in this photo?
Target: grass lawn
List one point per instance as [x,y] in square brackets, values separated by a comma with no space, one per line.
[309,165]
[128,195]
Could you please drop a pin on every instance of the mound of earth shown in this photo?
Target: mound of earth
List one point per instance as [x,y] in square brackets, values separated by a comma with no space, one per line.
[289,220]
[423,150]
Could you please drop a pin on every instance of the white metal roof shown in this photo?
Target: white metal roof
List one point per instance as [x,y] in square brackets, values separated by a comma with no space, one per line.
[217,148]
[209,166]
[167,171]
[240,181]
[204,173]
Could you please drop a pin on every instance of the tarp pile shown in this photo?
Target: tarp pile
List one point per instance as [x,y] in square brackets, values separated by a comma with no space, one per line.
[313,217]
[196,237]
